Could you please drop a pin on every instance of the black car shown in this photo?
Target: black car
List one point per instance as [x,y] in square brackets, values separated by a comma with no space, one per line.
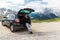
[16,21]
[13,22]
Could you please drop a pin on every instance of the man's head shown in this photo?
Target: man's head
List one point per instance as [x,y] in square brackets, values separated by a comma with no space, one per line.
[26,16]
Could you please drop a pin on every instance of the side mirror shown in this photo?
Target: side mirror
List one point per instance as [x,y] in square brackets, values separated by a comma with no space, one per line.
[5,17]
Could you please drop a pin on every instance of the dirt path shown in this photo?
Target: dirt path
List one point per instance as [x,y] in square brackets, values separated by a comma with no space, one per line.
[42,31]
[46,26]
[38,27]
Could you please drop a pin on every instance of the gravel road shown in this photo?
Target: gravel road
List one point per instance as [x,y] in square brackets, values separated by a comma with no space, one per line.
[42,31]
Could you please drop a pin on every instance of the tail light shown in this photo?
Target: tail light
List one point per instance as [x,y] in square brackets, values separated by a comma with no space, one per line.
[17,20]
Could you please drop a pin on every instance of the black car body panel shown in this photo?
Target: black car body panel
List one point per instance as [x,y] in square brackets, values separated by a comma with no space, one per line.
[10,20]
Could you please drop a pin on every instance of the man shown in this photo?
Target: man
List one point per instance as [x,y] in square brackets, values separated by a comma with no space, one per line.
[28,23]
[25,20]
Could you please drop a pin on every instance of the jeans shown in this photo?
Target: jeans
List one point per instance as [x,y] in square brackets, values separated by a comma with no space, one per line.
[28,27]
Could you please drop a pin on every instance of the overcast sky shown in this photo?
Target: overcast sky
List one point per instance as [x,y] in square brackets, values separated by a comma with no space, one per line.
[35,4]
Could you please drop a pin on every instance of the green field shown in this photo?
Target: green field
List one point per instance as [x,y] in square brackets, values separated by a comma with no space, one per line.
[49,20]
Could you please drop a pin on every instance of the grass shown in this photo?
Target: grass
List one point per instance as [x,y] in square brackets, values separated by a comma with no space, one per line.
[38,21]
[49,20]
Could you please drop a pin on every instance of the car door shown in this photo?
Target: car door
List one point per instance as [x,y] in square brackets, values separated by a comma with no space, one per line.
[10,18]
[4,19]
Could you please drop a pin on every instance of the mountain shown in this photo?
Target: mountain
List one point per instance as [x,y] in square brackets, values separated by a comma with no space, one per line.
[45,14]
[38,16]
[4,12]
[42,16]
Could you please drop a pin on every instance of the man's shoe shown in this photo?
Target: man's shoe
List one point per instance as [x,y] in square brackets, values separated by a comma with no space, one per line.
[31,32]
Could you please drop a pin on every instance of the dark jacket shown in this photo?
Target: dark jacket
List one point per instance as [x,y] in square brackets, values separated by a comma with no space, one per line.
[24,20]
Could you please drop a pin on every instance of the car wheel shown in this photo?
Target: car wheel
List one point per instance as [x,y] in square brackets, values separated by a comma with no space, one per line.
[3,23]
[12,28]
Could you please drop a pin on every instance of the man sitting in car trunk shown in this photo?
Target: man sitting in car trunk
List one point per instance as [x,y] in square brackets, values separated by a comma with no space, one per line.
[25,20]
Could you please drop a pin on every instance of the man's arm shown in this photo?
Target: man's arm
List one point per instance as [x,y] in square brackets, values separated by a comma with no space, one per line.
[29,20]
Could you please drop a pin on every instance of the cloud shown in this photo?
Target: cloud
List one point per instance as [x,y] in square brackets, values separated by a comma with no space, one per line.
[53,3]
[11,3]
[40,5]
[17,1]
[37,5]
[27,1]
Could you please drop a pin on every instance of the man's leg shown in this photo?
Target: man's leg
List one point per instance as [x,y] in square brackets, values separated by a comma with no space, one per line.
[29,27]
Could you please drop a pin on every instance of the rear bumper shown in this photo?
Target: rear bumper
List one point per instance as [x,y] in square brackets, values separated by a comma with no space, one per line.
[19,26]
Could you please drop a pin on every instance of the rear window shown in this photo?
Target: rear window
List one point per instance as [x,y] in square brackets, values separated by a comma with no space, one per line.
[25,11]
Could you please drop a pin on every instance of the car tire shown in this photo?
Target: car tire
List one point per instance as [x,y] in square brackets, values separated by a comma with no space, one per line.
[12,28]
[3,24]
